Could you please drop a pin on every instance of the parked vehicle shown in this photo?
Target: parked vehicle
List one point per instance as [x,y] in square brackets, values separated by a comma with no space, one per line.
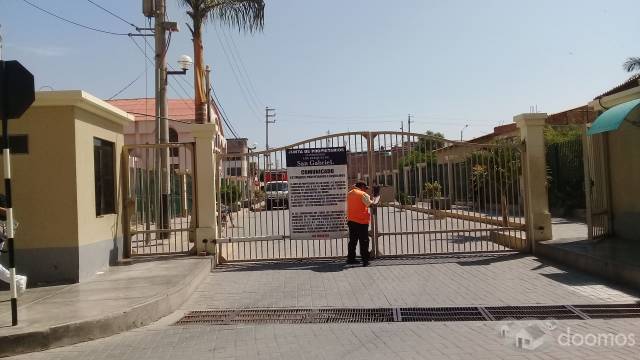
[277,194]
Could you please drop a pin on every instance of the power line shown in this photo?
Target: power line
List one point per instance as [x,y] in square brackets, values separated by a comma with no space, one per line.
[151,61]
[235,76]
[340,117]
[154,116]
[223,113]
[112,13]
[233,49]
[224,117]
[73,22]
[129,84]
[183,78]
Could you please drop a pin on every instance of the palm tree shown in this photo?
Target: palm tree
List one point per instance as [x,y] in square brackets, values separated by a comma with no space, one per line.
[246,15]
[632,64]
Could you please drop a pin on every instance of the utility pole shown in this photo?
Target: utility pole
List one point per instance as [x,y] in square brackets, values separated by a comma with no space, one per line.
[267,115]
[162,127]
[401,126]
[0,43]
[409,121]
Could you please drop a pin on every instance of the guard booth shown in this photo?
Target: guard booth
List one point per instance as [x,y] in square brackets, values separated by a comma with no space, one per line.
[65,186]
[612,166]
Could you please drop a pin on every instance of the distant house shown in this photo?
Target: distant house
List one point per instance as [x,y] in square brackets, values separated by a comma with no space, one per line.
[181,113]
[529,338]
[236,166]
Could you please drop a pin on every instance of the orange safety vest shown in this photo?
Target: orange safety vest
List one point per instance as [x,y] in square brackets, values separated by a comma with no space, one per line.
[356,209]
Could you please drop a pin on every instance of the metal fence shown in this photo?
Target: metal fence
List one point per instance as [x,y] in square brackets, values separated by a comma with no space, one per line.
[159,209]
[597,189]
[437,196]
[565,172]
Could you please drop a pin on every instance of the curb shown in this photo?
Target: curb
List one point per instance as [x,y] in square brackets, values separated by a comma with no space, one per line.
[108,325]
[619,273]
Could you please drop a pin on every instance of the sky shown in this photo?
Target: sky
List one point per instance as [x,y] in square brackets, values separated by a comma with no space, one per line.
[338,65]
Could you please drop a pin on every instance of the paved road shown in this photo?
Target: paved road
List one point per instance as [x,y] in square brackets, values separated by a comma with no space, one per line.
[429,281]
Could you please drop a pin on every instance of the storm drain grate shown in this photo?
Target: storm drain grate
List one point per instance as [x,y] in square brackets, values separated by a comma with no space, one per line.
[408,314]
[610,311]
[442,314]
[288,316]
[532,312]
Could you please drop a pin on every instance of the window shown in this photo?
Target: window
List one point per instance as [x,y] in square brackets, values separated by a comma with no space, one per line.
[104,171]
[277,186]
[173,138]
[234,171]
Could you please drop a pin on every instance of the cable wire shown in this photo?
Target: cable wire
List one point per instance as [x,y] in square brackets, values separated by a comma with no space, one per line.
[114,14]
[233,49]
[152,63]
[73,22]
[235,76]
[223,113]
[129,84]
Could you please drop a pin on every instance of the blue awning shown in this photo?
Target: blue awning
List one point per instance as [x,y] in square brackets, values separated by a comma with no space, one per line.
[612,119]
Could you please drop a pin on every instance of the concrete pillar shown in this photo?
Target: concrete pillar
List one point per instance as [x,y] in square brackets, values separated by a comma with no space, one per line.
[534,169]
[205,180]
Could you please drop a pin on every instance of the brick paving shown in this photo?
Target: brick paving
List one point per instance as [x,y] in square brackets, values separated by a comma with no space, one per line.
[426,281]
[475,340]
[499,279]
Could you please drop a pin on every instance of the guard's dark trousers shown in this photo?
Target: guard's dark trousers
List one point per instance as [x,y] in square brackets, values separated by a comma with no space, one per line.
[358,232]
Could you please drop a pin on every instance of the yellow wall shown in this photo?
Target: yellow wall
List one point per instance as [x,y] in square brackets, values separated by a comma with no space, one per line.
[624,162]
[92,228]
[43,181]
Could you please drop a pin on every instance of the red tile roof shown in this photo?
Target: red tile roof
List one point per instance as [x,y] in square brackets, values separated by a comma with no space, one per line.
[145,109]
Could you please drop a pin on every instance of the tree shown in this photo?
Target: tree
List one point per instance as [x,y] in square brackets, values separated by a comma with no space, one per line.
[246,15]
[632,64]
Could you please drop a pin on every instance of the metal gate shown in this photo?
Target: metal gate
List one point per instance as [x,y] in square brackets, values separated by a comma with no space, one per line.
[153,225]
[437,196]
[597,185]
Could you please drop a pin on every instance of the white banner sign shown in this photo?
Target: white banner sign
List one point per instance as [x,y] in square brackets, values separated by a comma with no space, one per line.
[317,192]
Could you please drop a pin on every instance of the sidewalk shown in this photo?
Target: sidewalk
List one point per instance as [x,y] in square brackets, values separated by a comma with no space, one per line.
[120,299]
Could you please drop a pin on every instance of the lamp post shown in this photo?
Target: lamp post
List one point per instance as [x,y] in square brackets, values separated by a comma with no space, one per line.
[163,136]
[462,131]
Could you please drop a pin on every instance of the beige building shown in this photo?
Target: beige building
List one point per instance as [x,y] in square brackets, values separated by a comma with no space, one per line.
[236,166]
[65,186]
[619,156]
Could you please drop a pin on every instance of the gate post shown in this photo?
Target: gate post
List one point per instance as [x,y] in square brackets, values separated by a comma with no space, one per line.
[205,181]
[538,218]
[372,181]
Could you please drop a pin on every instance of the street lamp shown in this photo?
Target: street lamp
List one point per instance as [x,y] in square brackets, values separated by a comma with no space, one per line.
[163,136]
[185,63]
[462,131]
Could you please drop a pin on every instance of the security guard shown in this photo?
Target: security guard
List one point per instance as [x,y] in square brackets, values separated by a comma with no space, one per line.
[358,217]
